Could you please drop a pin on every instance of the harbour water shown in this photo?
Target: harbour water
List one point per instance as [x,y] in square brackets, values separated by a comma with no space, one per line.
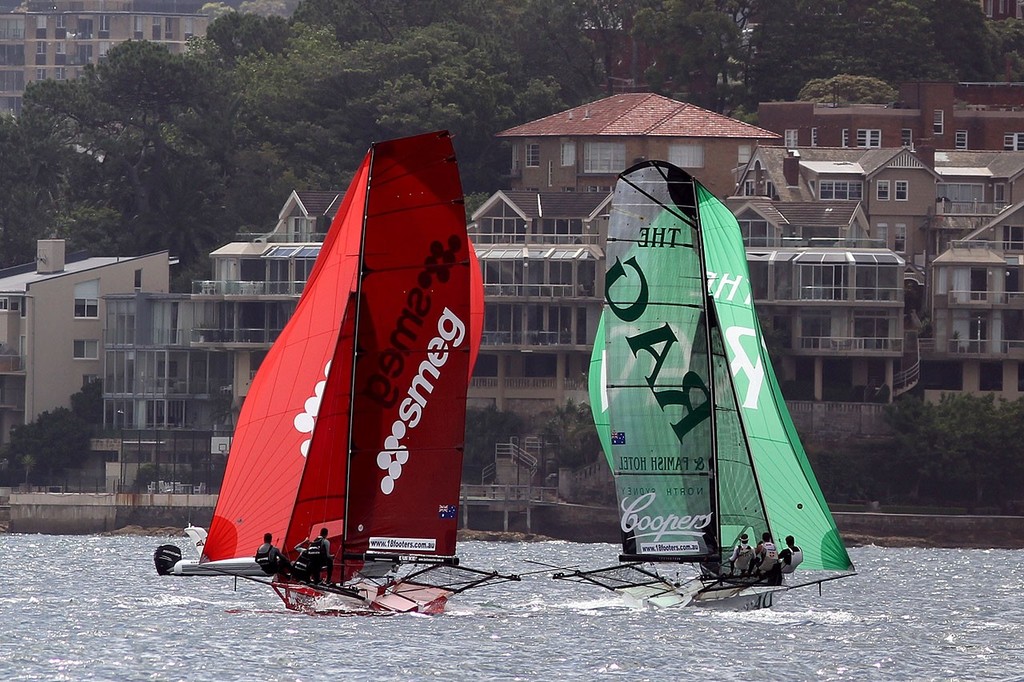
[93,608]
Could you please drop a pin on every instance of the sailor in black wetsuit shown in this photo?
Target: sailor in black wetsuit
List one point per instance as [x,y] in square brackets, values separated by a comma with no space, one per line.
[270,558]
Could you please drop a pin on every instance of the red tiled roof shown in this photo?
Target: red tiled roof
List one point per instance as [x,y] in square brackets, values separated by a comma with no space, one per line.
[639,113]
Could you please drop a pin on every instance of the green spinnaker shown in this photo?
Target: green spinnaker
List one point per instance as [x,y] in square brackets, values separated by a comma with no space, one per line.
[652,367]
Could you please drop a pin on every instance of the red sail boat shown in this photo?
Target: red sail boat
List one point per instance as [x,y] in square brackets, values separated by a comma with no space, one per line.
[355,421]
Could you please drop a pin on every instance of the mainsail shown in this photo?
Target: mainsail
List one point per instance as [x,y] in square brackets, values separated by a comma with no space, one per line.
[687,407]
[384,473]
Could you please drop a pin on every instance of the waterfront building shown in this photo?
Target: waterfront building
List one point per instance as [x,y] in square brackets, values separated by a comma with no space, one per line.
[51,324]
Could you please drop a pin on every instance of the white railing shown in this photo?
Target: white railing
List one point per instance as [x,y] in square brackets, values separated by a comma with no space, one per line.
[852,343]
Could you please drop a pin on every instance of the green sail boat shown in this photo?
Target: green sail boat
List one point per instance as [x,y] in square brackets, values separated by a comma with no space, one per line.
[689,411]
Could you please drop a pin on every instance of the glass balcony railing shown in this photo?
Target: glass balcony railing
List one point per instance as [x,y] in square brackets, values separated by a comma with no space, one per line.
[246,288]
[12,363]
[852,343]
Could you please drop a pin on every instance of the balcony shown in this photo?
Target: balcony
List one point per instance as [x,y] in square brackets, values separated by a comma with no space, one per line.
[979,298]
[524,238]
[952,208]
[881,345]
[246,288]
[540,290]
[537,338]
[12,364]
[216,336]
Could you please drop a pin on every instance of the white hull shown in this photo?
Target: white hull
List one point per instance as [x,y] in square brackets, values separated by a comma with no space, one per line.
[241,566]
[724,597]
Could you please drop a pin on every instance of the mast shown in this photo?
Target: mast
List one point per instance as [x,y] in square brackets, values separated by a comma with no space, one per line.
[360,272]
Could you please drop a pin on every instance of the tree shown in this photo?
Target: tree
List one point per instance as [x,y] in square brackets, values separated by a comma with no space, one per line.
[699,46]
[484,429]
[87,404]
[569,430]
[151,144]
[848,89]
[57,440]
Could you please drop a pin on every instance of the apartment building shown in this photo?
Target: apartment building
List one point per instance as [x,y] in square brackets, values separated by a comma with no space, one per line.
[51,324]
[949,221]
[56,39]
[543,269]
[959,116]
[583,149]
[187,360]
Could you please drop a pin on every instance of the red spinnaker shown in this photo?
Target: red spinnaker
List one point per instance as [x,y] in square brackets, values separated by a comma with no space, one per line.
[268,451]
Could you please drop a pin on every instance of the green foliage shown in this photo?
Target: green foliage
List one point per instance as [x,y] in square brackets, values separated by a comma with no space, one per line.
[55,441]
[484,429]
[87,404]
[570,434]
[962,450]
[847,89]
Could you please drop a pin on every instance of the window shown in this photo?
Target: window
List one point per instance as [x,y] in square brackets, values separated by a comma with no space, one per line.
[999,193]
[756,233]
[814,137]
[900,238]
[961,192]
[846,138]
[961,139]
[748,188]
[902,190]
[937,119]
[40,74]
[568,153]
[742,154]
[841,189]
[686,155]
[86,349]
[59,73]
[792,137]
[1013,142]
[532,155]
[869,137]
[87,299]
[882,234]
[907,137]
[604,157]
[515,158]
[882,190]
[138,279]
[1013,239]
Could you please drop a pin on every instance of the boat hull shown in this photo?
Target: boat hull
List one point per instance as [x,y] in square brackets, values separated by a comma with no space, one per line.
[240,567]
[362,597]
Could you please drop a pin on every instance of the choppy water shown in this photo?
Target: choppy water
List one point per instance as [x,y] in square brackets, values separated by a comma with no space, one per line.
[93,608]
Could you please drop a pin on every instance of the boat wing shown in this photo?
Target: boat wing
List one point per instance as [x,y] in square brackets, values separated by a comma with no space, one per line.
[273,434]
[789,489]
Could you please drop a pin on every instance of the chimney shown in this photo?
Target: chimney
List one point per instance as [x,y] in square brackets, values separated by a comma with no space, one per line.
[791,170]
[926,153]
[49,256]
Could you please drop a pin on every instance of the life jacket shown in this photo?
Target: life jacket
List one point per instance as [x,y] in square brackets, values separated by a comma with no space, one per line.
[769,556]
[316,550]
[302,564]
[743,557]
[264,560]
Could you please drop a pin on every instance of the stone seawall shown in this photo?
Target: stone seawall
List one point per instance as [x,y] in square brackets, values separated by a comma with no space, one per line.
[89,513]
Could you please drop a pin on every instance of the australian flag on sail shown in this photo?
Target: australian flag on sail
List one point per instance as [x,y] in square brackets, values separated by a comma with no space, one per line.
[447,511]
[618,437]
